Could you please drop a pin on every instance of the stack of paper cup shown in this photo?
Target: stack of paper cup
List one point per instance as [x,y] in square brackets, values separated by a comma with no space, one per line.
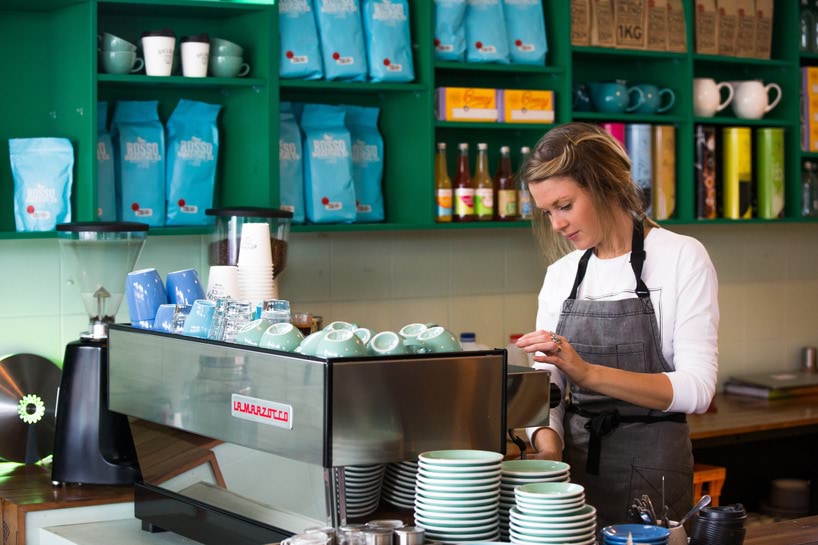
[223,281]
[256,263]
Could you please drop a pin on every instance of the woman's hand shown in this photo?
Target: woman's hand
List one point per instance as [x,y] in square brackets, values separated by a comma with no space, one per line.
[556,350]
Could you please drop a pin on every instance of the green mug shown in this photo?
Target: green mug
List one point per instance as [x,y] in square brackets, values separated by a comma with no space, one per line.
[387,343]
[438,339]
[109,42]
[228,66]
[222,47]
[282,336]
[120,62]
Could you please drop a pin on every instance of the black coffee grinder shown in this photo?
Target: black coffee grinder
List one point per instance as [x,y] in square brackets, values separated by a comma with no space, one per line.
[93,445]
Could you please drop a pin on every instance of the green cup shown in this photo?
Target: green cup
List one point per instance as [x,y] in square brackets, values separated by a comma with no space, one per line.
[222,47]
[339,325]
[309,346]
[387,343]
[228,66]
[250,333]
[120,62]
[438,339]
[109,42]
[282,336]
[364,333]
[340,344]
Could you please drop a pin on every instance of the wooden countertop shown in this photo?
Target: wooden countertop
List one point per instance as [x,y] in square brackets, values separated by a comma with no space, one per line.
[802,531]
[742,415]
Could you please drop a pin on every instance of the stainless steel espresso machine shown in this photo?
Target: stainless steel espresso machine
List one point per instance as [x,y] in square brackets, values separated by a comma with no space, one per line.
[243,445]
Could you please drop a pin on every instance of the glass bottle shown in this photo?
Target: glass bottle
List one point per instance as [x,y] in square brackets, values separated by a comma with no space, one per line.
[483,186]
[463,187]
[505,190]
[806,27]
[524,201]
[443,186]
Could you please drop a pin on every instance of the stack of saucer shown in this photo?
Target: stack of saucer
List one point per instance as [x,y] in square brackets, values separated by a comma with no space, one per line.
[255,264]
[552,513]
[519,472]
[457,495]
[399,484]
[362,487]
[619,534]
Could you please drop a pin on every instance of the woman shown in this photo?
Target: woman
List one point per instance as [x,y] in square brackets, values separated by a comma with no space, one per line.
[627,323]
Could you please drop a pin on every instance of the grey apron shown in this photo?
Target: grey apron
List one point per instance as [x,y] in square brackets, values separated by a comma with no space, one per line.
[619,451]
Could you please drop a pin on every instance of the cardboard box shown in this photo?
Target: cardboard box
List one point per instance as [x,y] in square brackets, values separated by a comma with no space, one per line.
[706,27]
[676,26]
[466,104]
[657,25]
[631,23]
[580,22]
[664,171]
[764,28]
[602,23]
[726,21]
[526,106]
[745,28]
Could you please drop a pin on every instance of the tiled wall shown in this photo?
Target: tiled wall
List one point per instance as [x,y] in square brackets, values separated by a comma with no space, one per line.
[482,280]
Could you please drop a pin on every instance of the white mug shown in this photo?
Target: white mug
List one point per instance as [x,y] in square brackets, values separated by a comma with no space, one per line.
[707,96]
[752,98]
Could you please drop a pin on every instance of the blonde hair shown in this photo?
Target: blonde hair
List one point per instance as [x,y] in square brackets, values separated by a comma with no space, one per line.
[594,159]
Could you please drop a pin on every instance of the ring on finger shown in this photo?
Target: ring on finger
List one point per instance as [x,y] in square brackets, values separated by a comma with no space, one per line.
[555,339]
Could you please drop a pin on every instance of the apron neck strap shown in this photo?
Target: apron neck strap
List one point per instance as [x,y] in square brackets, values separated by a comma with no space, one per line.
[637,261]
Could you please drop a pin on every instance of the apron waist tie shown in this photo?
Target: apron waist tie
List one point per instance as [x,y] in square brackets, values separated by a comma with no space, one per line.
[601,424]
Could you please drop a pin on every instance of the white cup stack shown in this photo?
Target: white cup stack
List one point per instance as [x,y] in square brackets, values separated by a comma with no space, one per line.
[256,264]
[223,281]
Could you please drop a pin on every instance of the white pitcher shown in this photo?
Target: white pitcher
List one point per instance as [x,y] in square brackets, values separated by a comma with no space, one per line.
[707,96]
[752,98]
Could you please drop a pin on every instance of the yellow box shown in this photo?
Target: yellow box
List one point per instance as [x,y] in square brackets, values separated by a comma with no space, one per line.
[526,106]
[467,104]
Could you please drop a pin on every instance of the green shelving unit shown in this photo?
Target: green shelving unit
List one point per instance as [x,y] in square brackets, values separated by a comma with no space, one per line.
[52,88]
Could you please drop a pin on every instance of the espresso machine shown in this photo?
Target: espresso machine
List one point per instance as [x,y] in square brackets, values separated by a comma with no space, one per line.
[255,443]
[93,445]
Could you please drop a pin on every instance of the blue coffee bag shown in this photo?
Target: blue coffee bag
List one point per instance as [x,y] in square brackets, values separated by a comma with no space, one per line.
[486,36]
[342,40]
[290,163]
[388,40]
[300,54]
[42,169]
[106,179]
[329,193]
[367,162]
[450,30]
[525,25]
[139,152]
[192,153]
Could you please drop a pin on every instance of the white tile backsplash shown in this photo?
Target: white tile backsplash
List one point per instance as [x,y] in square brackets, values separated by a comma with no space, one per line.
[481,280]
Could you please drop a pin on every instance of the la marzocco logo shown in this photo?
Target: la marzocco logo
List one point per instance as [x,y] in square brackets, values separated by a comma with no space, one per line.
[262,411]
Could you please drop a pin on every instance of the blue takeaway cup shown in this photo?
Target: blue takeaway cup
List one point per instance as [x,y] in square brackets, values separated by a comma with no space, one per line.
[200,318]
[184,287]
[144,292]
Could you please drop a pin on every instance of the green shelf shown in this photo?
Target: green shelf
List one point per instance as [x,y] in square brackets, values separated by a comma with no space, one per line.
[57,86]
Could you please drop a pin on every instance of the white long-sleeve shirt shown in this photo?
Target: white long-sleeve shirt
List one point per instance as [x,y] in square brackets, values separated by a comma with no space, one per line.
[684,291]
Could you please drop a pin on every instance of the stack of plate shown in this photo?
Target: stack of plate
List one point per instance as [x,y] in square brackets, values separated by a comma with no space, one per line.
[552,513]
[399,484]
[618,534]
[362,487]
[520,472]
[457,495]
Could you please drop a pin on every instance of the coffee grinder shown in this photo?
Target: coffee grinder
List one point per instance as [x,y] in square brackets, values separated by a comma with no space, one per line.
[93,445]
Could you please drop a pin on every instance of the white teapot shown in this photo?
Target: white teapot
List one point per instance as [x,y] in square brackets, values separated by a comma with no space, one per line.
[752,98]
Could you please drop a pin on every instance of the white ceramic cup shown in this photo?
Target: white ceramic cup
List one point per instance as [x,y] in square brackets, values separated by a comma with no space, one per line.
[195,54]
[752,98]
[158,53]
[707,96]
